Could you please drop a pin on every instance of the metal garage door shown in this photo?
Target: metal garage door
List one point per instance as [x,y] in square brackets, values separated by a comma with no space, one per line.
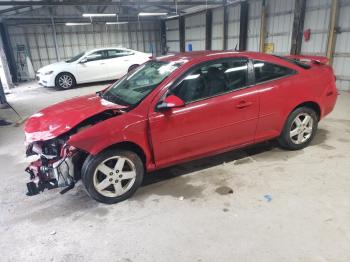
[280,14]
[172,35]
[233,26]
[341,63]
[254,25]
[217,29]
[195,31]
[317,17]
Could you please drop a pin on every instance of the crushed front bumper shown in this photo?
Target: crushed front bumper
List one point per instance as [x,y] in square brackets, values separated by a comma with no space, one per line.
[49,174]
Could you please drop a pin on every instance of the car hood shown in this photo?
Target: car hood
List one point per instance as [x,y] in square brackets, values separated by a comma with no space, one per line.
[52,67]
[62,117]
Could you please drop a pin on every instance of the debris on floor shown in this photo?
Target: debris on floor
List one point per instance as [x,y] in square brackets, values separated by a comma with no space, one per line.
[224,190]
[268,198]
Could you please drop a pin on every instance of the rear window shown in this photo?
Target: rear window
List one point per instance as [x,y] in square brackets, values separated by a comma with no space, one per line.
[265,71]
[295,62]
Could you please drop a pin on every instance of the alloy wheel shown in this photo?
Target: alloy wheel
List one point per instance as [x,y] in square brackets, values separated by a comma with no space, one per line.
[301,129]
[114,176]
[65,81]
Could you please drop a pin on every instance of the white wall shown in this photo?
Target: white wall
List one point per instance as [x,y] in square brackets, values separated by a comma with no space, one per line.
[71,40]
[317,18]
[173,35]
[195,31]
[280,16]
[217,29]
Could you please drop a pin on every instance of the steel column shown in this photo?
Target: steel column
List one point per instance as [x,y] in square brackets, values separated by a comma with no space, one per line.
[332,30]
[298,26]
[8,52]
[208,28]
[163,39]
[225,26]
[262,27]
[182,33]
[243,26]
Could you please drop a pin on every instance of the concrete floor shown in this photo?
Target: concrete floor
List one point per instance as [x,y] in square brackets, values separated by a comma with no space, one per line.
[285,206]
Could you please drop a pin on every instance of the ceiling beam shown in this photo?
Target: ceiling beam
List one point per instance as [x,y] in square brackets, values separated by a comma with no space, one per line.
[12,9]
[99,3]
[123,18]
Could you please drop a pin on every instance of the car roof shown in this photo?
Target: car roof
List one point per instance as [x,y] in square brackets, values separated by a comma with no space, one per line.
[202,56]
[212,54]
[107,48]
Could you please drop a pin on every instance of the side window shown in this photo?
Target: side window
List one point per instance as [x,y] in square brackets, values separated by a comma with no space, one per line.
[266,71]
[96,56]
[213,79]
[113,53]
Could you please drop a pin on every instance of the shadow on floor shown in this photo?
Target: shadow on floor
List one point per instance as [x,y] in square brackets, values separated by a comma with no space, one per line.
[208,162]
[238,155]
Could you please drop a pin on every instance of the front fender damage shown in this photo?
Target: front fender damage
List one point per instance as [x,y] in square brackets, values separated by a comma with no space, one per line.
[58,164]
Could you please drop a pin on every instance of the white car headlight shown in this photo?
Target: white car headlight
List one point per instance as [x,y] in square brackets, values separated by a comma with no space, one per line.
[48,73]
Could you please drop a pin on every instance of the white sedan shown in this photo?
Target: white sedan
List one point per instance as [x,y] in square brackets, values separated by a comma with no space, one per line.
[91,66]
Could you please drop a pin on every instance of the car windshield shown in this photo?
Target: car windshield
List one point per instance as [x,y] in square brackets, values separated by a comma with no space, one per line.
[75,58]
[136,85]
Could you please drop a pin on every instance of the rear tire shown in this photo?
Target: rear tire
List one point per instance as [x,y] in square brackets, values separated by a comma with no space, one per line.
[132,67]
[65,81]
[299,129]
[113,175]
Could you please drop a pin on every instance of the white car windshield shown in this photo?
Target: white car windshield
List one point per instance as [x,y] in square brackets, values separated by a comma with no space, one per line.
[135,86]
[75,58]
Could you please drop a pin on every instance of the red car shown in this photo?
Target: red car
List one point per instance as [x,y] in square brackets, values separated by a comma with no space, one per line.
[174,109]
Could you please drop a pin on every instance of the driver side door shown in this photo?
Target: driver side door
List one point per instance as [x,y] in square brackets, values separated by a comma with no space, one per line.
[93,69]
[221,112]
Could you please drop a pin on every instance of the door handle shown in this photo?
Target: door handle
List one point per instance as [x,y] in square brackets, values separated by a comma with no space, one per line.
[243,104]
[102,63]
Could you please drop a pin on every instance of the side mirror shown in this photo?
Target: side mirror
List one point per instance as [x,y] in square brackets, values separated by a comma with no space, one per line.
[171,101]
[83,61]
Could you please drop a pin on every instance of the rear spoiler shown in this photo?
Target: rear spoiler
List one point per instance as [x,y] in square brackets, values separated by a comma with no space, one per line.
[310,58]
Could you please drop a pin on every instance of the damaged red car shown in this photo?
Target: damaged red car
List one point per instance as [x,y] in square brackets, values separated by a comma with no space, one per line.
[174,109]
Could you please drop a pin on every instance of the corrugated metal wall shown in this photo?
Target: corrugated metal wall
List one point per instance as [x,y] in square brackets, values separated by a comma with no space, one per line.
[195,31]
[71,40]
[341,62]
[173,35]
[280,14]
[217,29]
[317,18]
[254,25]
[233,26]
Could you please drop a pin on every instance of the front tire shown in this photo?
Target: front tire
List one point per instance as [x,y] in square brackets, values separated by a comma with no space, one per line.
[299,130]
[113,175]
[65,81]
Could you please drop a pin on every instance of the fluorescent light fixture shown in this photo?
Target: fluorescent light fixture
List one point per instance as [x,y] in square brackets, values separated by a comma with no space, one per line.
[152,14]
[72,24]
[116,23]
[98,15]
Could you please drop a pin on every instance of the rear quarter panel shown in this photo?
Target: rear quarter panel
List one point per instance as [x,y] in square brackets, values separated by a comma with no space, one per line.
[280,97]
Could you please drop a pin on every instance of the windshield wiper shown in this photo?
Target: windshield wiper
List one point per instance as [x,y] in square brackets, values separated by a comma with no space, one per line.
[114,99]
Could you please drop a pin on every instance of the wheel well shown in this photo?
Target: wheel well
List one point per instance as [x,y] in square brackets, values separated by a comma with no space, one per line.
[131,147]
[65,73]
[312,105]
